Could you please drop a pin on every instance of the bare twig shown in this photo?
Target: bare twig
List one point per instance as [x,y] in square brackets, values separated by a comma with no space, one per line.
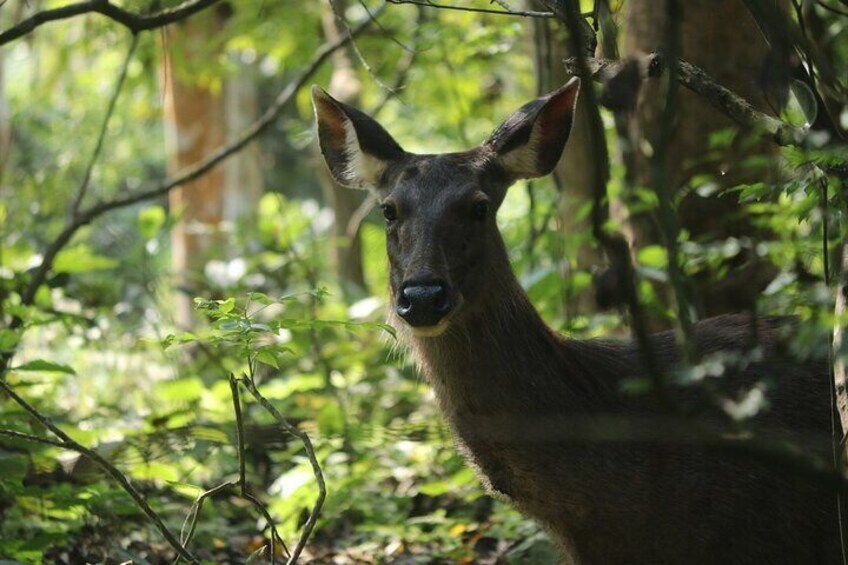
[386,31]
[360,214]
[728,102]
[401,73]
[505,12]
[110,109]
[190,523]
[662,183]
[614,245]
[275,535]
[339,17]
[248,383]
[239,431]
[134,22]
[242,480]
[32,438]
[67,442]
[831,8]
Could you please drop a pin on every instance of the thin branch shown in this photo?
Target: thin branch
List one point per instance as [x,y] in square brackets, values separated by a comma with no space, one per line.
[239,432]
[275,536]
[242,480]
[831,8]
[110,110]
[695,79]
[666,213]
[401,72]
[505,12]
[360,214]
[367,66]
[134,22]
[69,443]
[32,438]
[386,31]
[614,245]
[313,460]
[190,523]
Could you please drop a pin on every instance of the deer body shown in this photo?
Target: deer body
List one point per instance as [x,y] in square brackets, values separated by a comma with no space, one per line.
[543,418]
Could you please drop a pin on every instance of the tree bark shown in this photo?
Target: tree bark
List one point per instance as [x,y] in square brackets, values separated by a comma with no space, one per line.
[200,118]
[721,37]
[571,175]
[345,249]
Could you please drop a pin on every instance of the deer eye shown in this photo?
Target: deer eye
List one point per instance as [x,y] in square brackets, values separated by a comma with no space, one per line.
[389,211]
[480,211]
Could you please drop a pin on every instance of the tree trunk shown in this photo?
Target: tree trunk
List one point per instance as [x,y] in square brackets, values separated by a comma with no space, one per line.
[572,176]
[199,119]
[345,248]
[243,181]
[721,37]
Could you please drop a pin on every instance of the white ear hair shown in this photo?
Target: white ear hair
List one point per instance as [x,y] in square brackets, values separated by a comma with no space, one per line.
[356,148]
[362,170]
[530,142]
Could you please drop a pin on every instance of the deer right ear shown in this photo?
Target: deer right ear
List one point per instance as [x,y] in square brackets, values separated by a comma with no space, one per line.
[356,148]
[530,142]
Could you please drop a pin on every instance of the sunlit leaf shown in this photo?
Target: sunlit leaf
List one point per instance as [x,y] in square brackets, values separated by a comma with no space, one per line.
[45,366]
[806,100]
[150,221]
[268,357]
[186,489]
[654,256]
[81,259]
[256,555]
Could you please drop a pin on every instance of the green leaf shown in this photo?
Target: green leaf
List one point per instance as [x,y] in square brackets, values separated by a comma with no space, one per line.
[9,339]
[186,389]
[268,357]
[186,489]
[261,298]
[806,100]
[653,256]
[150,221]
[330,420]
[81,259]
[256,555]
[45,366]
[14,467]
[227,306]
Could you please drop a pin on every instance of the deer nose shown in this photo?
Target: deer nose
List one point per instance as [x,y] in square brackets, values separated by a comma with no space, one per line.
[423,303]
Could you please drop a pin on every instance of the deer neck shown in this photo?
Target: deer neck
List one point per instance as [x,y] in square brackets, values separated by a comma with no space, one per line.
[496,357]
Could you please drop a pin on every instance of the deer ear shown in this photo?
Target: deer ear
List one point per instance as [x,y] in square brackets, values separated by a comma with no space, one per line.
[356,148]
[530,142]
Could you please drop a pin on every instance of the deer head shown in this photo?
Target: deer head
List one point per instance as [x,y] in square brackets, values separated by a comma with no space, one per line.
[443,243]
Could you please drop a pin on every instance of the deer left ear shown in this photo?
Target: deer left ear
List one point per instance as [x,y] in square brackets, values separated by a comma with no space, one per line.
[356,148]
[530,142]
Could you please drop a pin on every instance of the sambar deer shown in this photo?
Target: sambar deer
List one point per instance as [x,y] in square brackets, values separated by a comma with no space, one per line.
[612,476]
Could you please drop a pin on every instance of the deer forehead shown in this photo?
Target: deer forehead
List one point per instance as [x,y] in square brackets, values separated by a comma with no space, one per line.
[444,178]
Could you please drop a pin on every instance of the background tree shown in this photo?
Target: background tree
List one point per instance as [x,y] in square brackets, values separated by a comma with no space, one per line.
[346,249]
[705,156]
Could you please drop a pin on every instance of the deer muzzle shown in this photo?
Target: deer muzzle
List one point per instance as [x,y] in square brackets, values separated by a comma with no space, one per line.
[424,304]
